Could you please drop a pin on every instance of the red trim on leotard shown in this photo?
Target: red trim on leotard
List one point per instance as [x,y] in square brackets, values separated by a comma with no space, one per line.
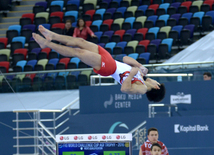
[133,81]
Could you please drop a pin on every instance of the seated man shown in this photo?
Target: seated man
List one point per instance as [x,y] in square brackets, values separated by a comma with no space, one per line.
[129,74]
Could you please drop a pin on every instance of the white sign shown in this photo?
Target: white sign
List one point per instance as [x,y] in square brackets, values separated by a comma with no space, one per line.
[180,98]
[93,137]
[190,128]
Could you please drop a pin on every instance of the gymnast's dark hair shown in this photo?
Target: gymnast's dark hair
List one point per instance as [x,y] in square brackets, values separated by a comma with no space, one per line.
[156,95]
[156,144]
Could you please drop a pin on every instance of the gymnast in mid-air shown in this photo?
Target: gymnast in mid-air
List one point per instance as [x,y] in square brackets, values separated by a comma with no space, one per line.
[129,73]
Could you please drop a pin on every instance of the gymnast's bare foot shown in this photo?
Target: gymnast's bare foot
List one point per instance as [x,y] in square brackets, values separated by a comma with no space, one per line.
[40,40]
[46,33]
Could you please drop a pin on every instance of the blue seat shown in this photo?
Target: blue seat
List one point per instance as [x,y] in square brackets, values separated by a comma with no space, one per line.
[75,60]
[154,30]
[164,6]
[74,24]
[164,17]
[191,28]
[53,75]
[47,26]
[169,42]
[146,56]
[98,34]
[41,76]
[187,15]
[75,73]
[32,63]
[64,74]
[177,28]
[143,8]
[122,10]
[153,18]
[20,39]
[54,62]
[110,45]
[97,23]
[130,20]
[122,44]
[60,3]
[76,2]
[101,44]
[72,13]
[101,12]
[210,13]
[21,63]
[15,27]
[131,31]
[32,27]
[118,1]
[176,16]
[199,15]
[119,57]
[133,55]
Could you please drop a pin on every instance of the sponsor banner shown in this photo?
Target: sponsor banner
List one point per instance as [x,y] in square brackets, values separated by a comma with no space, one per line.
[93,137]
[194,95]
[185,132]
[180,98]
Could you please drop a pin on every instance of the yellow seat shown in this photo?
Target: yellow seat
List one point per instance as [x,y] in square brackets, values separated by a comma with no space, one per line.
[166,29]
[141,19]
[6,52]
[133,44]
[42,62]
[132,9]
[43,14]
[119,21]
[94,2]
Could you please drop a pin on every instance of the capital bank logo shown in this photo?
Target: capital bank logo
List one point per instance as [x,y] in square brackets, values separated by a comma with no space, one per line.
[190,128]
[117,124]
[180,97]
[176,126]
[109,102]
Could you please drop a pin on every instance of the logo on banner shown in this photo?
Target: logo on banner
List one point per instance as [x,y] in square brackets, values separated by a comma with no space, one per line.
[190,128]
[64,138]
[107,103]
[180,98]
[120,124]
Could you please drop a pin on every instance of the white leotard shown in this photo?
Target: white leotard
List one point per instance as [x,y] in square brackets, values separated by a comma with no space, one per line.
[122,72]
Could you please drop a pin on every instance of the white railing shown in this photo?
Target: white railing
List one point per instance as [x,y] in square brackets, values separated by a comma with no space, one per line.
[43,137]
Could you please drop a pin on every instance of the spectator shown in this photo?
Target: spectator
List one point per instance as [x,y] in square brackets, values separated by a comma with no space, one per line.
[207,76]
[82,30]
[152,138]
[156,149]
[68,30]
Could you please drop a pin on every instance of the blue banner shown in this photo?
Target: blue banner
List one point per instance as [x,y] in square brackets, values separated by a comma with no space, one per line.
[109,99]
[105,123]
[185,133]
[195,95]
